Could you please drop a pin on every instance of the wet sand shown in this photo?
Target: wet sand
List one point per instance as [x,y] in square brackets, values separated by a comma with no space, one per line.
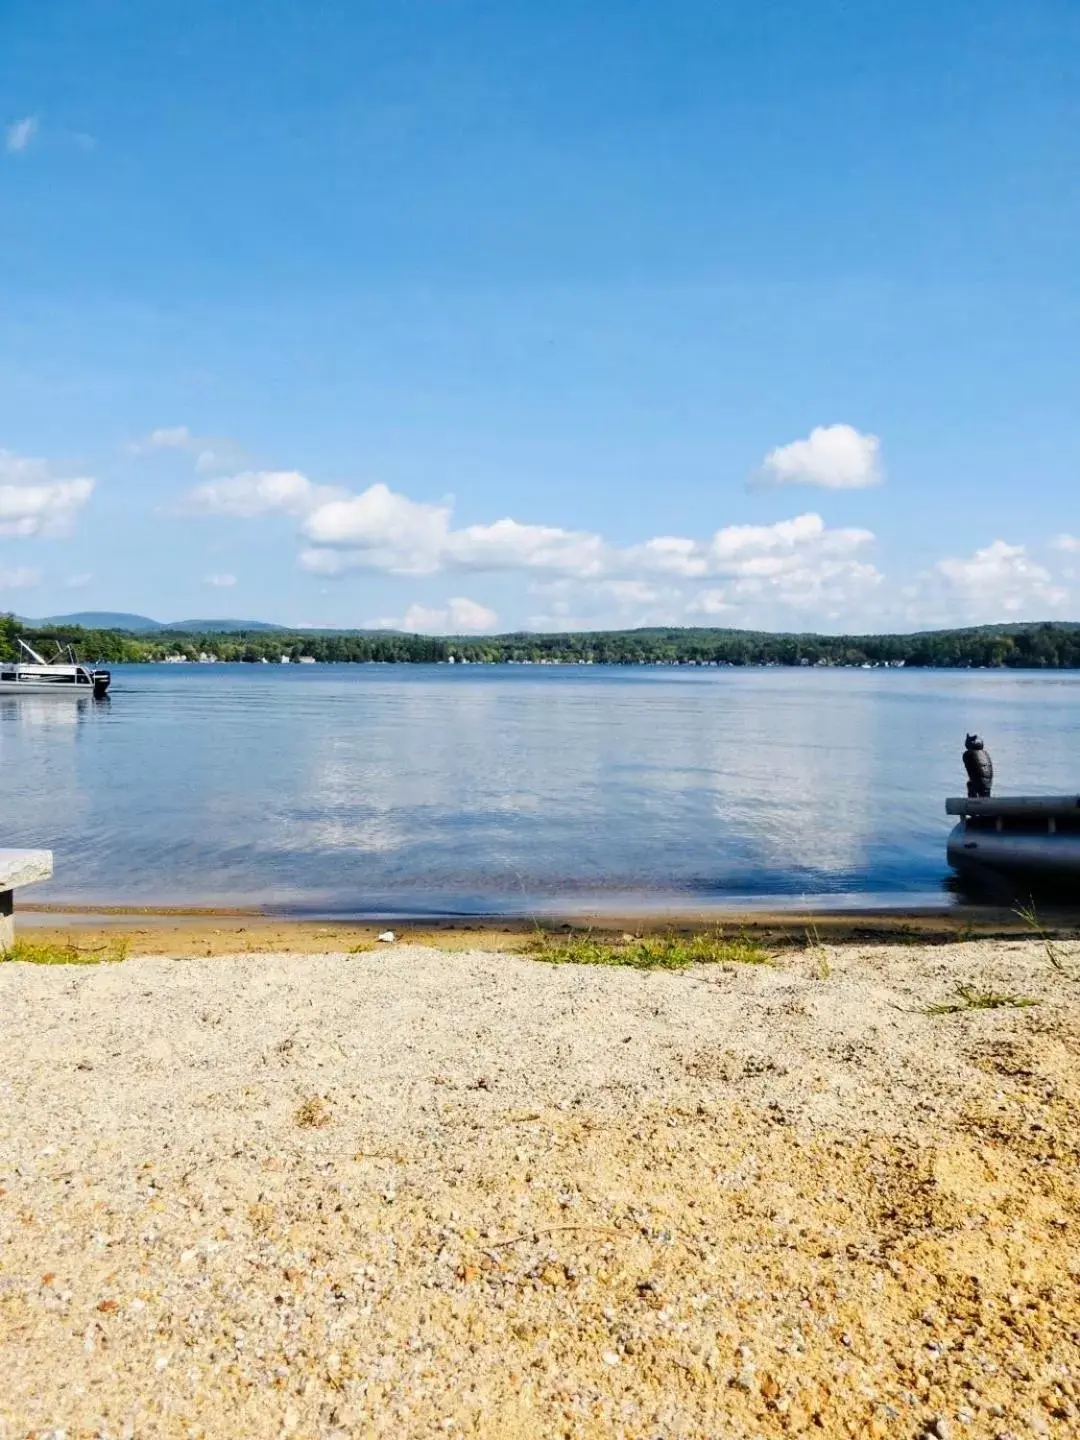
[206,932]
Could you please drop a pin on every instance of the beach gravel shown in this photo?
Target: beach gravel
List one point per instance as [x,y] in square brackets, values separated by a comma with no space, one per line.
[412,1192]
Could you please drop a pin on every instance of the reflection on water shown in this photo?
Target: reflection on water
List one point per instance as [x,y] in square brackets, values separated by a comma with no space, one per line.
[51,710]
[367,788]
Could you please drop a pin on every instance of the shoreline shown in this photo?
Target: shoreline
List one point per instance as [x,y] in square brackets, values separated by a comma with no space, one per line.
[203,931]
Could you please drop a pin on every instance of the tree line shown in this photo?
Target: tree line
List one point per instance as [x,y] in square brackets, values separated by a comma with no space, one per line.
[1053,645]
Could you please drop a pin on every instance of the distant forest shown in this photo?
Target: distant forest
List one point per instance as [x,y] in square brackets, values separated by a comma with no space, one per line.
[1052,645]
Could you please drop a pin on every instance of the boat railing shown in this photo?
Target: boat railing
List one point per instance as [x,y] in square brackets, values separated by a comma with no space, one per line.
[1032,807]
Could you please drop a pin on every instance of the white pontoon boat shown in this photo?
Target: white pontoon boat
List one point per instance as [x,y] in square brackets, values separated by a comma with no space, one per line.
[64,675]
[1030,835]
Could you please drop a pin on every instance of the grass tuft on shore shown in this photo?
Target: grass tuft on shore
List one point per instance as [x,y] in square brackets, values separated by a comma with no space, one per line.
[313,1113]
[969,998]
[649,952]
[817,952]
[50,952]
[1030,916]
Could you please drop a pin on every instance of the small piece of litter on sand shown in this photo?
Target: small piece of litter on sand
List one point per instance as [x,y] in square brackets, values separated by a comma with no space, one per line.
[388,937]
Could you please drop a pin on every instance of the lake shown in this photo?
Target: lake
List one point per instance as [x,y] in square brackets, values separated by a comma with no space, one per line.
[425,790]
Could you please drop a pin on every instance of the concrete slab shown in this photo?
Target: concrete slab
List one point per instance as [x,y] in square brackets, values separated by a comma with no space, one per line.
[18,867]
[23,867]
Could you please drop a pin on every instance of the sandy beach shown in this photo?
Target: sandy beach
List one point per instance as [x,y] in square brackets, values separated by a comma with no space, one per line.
[419,1191]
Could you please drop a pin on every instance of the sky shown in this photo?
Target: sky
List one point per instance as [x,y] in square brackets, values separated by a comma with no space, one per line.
[465,317]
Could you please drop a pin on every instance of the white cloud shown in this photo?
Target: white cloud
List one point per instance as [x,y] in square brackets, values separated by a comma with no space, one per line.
[20,135]
[22,469]
[167,437]
[711,602]
[381,530]
[562,617]
[836,457]
[1001,581]
[256,492]
[670,555]
[629,592]
[460,616]
[220,580]
[742,546]
[467,617]
[212,453]
[19,578]
[508,545]
[831,588]
[795,563]
[625,604]
[1068,543]
[209,459]
[32,503]
[79,582]
[376,530]
[768,574]
[746,551]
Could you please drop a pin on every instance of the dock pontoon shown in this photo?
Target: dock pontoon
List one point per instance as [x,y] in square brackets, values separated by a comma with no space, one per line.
[1036,835]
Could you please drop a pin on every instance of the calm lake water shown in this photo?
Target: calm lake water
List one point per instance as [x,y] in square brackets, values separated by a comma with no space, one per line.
[435,789]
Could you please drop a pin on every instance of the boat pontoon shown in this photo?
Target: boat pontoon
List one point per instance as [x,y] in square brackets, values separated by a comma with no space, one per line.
[1031,835]
[63,675]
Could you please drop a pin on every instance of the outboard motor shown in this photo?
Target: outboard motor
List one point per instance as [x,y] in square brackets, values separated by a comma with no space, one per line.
[979,767]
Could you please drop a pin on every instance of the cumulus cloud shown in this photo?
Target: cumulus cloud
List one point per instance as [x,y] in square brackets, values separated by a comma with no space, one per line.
[256,492]
[376,530]
[829,588]
[212,452]
[800,562]
[20,135]
[1001,580]
[508,545]
[381,530]
[461,616]
[746,551]
[22,469]
[221,580]
[1069,543]
[215,456]
[18,578]
[835,457]
[670,555]
[628,592]
[571,604]
[33,503]
[166,437]
[711,603]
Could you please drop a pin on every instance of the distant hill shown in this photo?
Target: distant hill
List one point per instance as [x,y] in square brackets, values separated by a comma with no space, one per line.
[102,620]
[143,625]
[657,634]
[218,627]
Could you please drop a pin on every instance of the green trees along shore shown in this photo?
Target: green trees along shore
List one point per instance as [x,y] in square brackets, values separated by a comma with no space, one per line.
[1050,645]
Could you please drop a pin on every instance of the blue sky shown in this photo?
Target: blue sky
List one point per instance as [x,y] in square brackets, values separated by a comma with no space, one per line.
[472,316]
